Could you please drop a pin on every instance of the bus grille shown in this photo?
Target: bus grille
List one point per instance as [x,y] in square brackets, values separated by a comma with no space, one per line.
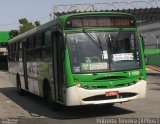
[103,97]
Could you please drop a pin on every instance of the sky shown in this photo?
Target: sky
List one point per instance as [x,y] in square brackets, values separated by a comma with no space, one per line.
[34,10]
[13,10]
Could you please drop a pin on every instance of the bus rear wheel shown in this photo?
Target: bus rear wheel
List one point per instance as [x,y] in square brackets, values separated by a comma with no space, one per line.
[19,89]
[49,99]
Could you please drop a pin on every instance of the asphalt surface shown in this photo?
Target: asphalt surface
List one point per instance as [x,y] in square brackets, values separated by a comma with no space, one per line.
[30,109]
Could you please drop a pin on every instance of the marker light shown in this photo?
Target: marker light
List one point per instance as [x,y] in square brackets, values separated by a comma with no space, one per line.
[79,85]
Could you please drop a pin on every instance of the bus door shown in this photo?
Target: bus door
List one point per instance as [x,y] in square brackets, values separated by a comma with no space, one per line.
[24,58]
[58,73]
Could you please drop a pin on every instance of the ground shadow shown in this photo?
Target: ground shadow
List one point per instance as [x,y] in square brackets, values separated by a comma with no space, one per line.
[37,107]
[155,83]
[153,74]
[155,89]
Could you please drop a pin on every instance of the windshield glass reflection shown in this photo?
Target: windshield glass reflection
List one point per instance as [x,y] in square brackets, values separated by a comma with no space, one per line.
[103,51]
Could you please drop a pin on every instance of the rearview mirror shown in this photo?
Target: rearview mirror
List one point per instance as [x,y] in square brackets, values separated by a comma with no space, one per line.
[142,39]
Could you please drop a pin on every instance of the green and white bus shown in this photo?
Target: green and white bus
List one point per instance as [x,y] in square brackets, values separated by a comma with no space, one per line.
[81,59]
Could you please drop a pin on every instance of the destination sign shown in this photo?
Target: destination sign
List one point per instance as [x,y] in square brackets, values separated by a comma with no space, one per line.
[100,21]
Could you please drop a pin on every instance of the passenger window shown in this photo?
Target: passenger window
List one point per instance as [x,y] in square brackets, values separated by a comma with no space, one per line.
[30,55]
[38,53]
[46,54]
[17,52]
[30,43]
[38,40]
[47,38]
[20,51]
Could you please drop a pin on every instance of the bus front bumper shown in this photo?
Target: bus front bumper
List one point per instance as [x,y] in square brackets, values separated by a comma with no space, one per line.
[79,96]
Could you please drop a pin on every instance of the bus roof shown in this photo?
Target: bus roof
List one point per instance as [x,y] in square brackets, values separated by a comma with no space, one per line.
[61,20]
[96,13]
[4,37]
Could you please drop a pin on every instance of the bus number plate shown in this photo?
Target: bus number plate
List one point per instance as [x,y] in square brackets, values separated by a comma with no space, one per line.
[112,93]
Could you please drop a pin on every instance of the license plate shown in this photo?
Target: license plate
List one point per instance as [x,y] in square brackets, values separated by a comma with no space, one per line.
[112,93]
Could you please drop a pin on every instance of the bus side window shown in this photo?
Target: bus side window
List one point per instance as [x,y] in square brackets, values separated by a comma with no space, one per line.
[38,46]
[20,51]
[47,45]
[9,52]
[13,52]
[30,49]
[38,54]
[17,51]
[38,40]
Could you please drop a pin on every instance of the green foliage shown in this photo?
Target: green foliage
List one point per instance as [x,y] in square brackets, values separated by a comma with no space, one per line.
[13,33]
[25,25]
[37,23]
[23,21]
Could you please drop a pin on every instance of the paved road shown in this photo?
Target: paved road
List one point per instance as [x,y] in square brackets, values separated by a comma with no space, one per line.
[32,109]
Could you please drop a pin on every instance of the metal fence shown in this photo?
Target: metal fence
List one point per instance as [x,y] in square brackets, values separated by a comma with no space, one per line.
[110,5]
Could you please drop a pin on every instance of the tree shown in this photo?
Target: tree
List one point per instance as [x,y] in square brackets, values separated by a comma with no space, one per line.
[25,25]
[13,33]
[37,23]
[23,21]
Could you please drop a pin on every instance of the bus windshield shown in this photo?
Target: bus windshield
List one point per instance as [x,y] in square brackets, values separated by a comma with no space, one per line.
[103,51]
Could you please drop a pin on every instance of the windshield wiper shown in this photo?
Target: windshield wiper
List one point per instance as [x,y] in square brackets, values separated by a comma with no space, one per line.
[118,34]
[99,44]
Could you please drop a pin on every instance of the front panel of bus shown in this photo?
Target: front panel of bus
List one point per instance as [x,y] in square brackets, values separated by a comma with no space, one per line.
[104,60]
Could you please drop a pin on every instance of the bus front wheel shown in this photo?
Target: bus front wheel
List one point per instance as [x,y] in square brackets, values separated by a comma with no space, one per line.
[49,98]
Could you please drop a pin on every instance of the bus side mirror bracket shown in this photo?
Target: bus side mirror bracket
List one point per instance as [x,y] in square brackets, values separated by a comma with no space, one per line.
[142,39]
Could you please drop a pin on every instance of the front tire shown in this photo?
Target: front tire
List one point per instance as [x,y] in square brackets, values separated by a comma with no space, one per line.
[49,98]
